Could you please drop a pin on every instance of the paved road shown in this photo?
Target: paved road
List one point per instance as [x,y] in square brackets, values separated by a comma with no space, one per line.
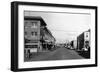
[58,54]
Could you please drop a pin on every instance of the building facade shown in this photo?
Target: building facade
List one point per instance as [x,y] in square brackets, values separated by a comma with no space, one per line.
[83,40]
[36,35]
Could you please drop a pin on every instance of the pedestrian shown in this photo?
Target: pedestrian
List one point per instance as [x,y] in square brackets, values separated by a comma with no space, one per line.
[29,53]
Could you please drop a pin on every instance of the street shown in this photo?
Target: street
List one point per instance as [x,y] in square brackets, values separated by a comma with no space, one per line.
[58,54]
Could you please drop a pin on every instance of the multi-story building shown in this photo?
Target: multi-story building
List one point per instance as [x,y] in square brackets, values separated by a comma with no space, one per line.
[37,36]
[83,44]
[47,39]
[83,40]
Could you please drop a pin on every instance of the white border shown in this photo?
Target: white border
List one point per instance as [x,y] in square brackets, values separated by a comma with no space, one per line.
[34,64]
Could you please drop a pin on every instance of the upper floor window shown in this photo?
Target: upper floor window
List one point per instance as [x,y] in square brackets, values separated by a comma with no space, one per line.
[34,33]
[25,33]
[34,25]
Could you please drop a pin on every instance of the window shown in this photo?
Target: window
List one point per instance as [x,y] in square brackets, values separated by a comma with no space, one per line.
[34,33]
[25,33]
[34,25]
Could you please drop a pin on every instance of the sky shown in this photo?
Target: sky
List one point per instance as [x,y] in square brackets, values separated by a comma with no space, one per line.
[64,26]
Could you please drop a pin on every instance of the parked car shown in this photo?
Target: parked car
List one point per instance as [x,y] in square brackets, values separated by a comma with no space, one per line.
[68,46]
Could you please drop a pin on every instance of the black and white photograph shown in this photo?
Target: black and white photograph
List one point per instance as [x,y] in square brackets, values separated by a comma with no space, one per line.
[52,36]
[56,36]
